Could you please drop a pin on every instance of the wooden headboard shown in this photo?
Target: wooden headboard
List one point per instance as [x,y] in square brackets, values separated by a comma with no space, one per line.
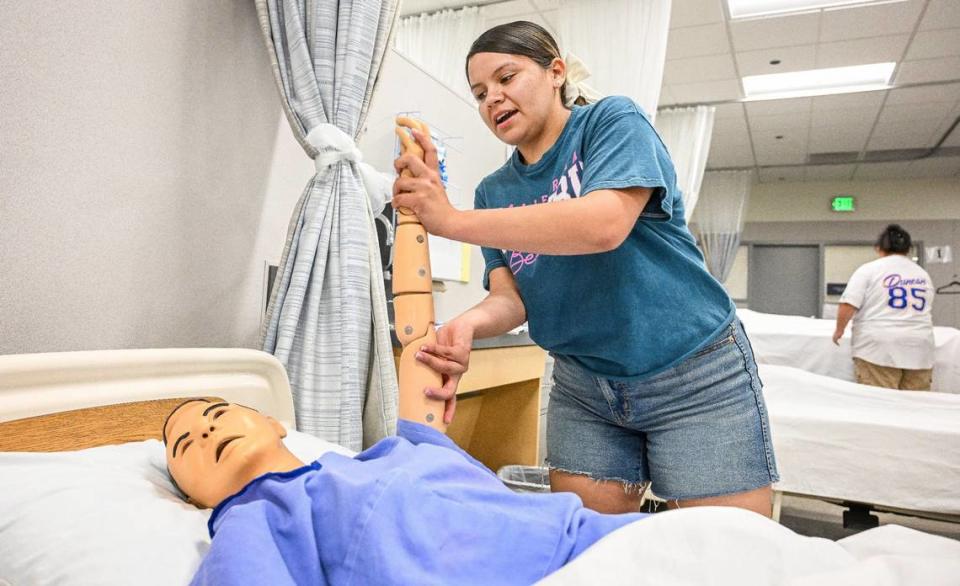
[75,400]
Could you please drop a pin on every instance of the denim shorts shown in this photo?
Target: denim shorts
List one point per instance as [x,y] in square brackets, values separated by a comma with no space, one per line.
[696,430]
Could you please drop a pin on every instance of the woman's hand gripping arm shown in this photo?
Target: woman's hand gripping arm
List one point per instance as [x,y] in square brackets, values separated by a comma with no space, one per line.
[501,311]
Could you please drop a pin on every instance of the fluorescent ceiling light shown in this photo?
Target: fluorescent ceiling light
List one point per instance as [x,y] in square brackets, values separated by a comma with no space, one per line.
[818,82]
[762,8]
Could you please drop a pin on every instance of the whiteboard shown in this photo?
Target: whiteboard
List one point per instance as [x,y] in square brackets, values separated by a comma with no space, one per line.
[472,153]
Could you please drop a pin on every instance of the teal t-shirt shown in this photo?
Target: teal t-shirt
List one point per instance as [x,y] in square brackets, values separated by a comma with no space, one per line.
[630,312]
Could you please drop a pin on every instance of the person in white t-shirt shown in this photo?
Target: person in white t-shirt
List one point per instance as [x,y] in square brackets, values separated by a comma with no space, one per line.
[890,300]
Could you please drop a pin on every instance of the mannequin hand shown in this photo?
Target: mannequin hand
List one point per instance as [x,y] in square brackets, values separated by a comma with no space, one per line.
[837,334]
[422,191]
[450,356]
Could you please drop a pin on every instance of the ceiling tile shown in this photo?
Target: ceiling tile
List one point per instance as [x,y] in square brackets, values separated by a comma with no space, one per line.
[729,111]
[931,93]
[894,170]
[829,172]
[855,100]
[837,139]
[862,51]
[903,139]
[730,155]
[699,69]
[732,129]
[860,118]
[897,113]
[942,69]
[939,43]
[777,174]
[870,21]
[780,123]
[666,97]
[771,107]
[694,41]
[792,149]
[685,13]
[791,59]
[787,31]
[708,91]
[954,139]
[935,167]
[941,14]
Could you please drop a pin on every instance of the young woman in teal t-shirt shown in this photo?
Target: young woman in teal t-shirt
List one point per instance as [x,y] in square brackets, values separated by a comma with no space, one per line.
[584,237]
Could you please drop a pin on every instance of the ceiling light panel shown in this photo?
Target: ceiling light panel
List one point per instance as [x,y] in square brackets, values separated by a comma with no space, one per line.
[818,82]
[767,8]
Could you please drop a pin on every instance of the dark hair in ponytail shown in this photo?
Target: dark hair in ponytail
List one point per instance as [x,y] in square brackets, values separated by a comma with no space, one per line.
[894,240]
[524,38]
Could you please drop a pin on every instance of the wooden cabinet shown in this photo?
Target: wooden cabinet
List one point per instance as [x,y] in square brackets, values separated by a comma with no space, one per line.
[497,420]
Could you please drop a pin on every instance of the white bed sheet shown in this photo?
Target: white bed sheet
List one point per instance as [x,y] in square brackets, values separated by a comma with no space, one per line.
[726,546]
[806,343]
[838,439]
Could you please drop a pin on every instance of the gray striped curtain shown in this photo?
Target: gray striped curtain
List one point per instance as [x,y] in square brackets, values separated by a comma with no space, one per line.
[327,320]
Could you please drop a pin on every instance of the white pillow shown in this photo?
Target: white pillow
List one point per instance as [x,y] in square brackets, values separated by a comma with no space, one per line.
[106,515]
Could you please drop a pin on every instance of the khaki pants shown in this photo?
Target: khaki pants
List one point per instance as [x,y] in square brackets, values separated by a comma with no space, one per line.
[904,379]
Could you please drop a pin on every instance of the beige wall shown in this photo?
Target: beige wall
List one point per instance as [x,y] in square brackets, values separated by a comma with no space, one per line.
[912,199]
[145,174]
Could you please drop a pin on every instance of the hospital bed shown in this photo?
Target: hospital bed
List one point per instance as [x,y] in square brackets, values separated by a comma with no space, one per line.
[85,498]
[870,447]
[807,343]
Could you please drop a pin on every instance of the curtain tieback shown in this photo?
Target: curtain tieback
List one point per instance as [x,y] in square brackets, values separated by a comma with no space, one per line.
[333,146]
[574,88]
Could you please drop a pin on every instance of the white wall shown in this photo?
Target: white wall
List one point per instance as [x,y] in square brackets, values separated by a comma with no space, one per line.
[140,186]
[888,200]
[147,173]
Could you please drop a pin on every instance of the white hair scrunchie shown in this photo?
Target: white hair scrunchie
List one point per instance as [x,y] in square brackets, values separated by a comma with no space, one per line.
[334,145]
[574,87]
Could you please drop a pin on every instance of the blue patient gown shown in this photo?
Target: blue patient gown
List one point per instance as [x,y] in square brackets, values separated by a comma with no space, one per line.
[413,509]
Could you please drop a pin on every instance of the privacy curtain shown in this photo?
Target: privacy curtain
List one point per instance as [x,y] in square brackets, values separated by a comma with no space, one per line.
[718,223]
[687,132]
[439,42]
[327,320]
[622,42]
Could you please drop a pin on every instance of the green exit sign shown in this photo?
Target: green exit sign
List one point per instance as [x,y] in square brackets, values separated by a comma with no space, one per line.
[842,203]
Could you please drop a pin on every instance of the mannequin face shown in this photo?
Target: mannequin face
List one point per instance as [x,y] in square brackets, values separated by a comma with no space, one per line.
[502,83]
[215,449]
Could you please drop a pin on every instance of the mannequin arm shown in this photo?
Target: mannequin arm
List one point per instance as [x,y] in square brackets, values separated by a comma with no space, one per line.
[413,304]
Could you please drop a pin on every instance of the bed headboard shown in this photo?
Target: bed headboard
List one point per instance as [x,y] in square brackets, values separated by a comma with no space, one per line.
[74,400]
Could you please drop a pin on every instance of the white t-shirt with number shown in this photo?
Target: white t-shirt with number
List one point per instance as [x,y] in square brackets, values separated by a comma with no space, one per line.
[893,326]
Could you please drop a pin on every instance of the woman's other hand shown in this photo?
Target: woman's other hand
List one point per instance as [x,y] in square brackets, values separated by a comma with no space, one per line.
[450,356]
[422,191]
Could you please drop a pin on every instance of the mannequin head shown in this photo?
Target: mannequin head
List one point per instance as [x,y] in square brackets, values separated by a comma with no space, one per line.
[214,449]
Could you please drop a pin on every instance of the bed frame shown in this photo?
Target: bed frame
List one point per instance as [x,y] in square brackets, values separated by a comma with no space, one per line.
[75,400]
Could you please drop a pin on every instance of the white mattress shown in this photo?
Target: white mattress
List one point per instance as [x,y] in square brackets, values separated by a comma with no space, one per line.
[806,343]
[843,440]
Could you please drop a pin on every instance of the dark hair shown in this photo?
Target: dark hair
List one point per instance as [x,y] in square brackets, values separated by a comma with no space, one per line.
[520,37]
[894,240]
